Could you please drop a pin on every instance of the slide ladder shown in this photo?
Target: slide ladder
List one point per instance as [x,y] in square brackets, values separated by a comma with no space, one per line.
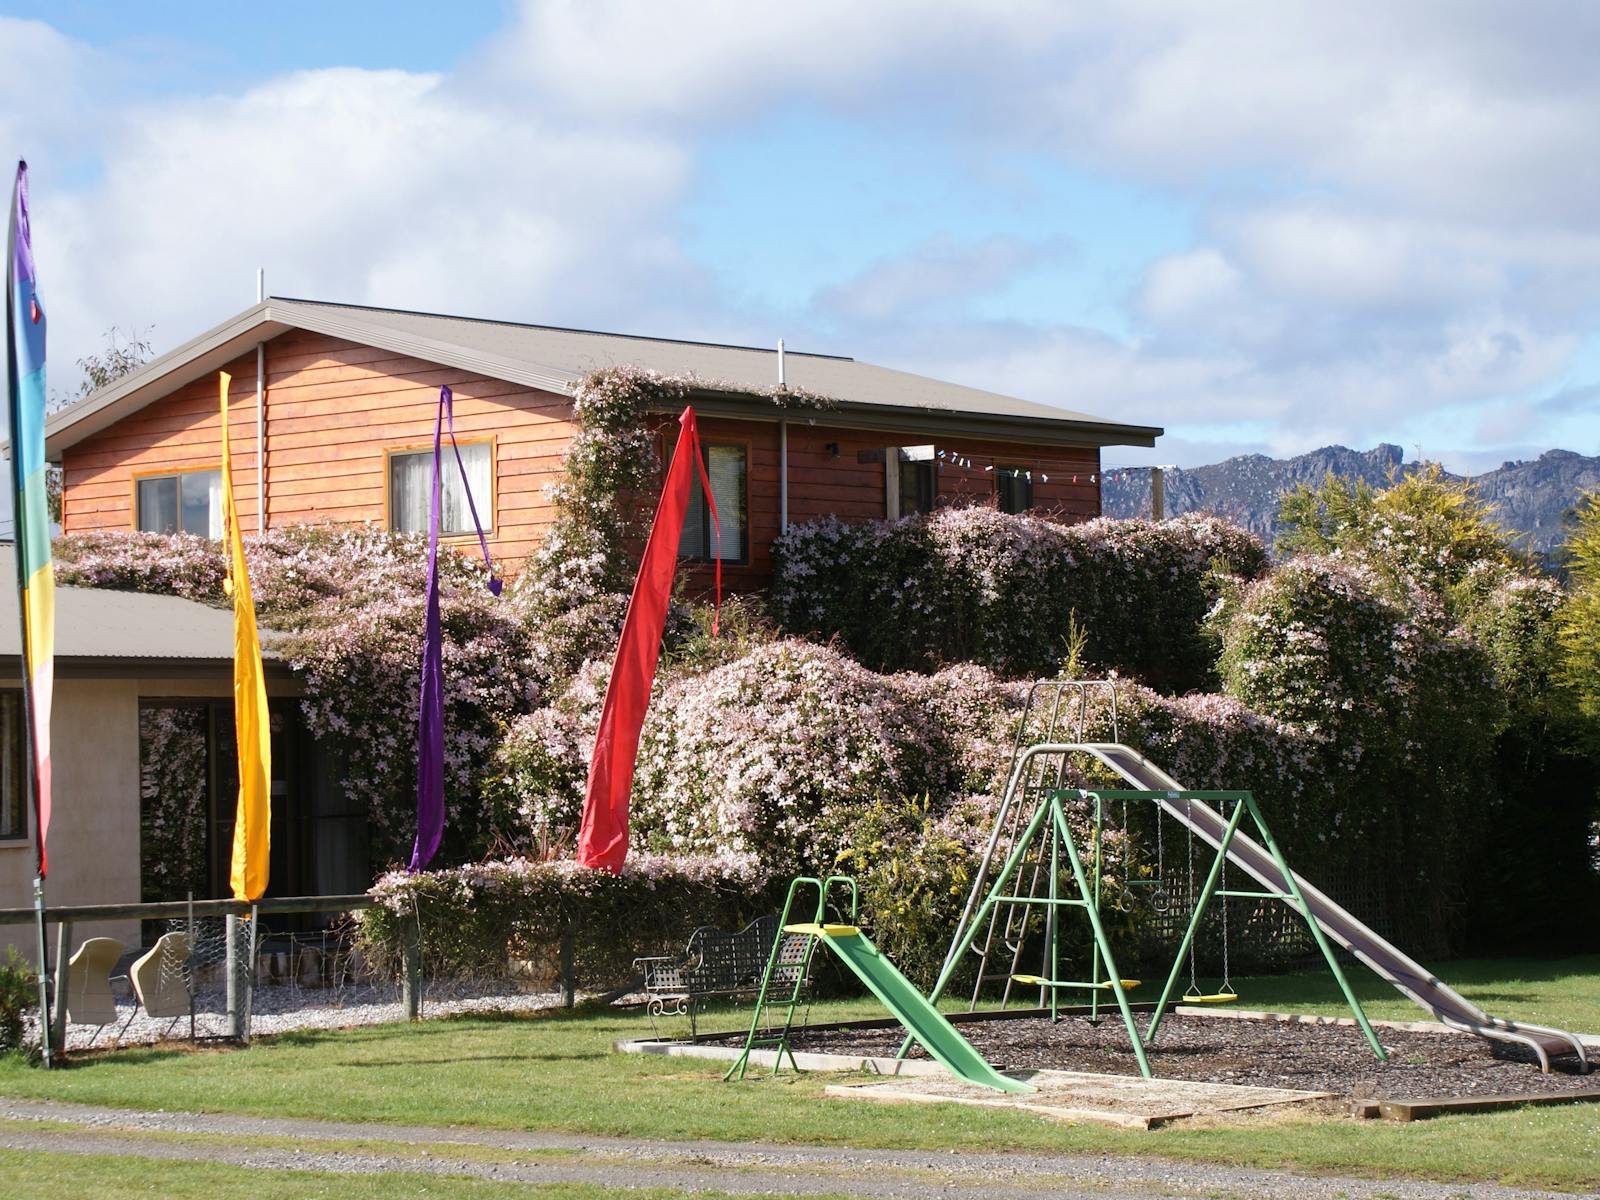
[922,1020]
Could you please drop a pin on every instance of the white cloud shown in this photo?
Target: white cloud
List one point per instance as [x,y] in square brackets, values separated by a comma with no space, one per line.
[1185,285]
[1394,202]
[931,276]
[49,88]
[375,187]
[721,61]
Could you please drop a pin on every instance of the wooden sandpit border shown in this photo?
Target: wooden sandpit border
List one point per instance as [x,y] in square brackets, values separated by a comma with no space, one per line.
[1388,1110]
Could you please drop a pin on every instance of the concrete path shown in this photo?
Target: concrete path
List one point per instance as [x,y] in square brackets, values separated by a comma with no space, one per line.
[696,1166]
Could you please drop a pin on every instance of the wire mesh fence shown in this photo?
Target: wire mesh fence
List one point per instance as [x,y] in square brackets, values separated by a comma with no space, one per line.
[215,974]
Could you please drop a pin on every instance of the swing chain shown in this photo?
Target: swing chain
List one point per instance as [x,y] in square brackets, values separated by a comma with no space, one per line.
[1160,900]
[1125,900]
[1194,904]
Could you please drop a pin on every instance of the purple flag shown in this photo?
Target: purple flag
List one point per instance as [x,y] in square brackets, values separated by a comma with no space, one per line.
[430,717]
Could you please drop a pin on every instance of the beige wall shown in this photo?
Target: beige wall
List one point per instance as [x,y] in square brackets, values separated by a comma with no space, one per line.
[94,830]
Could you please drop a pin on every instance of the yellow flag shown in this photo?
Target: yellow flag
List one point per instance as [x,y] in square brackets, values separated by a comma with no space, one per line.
[252,826]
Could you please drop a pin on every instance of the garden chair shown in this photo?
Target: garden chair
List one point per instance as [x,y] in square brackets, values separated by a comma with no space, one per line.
[89,998]
[160,981]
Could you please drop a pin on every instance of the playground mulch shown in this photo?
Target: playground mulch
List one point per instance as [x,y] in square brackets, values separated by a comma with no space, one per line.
[1257,1053]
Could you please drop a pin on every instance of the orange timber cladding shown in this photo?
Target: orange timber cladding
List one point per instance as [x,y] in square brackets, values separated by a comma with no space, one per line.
[336,409]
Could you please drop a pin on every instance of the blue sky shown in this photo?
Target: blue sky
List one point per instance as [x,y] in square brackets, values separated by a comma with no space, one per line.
[1262,226]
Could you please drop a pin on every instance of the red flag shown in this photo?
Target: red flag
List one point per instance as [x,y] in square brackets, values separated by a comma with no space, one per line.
[603,837]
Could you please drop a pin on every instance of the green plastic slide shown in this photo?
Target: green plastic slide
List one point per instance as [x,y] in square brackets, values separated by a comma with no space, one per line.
[936,1035]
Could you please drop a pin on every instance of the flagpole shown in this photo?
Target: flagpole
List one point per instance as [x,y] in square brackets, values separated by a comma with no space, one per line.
[44,989]
[30,773]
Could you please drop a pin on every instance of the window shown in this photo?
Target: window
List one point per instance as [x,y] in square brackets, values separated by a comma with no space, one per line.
[725,467]
[1013,489]
[189,502]
[411,485]
[916,487]
[13,804]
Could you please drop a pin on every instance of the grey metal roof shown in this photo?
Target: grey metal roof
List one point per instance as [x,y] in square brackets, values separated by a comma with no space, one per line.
[557,359]
[95,624]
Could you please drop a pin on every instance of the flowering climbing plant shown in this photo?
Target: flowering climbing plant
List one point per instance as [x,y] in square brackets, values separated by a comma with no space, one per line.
[606,492]
[173,768]
[345,608]
[1005,590]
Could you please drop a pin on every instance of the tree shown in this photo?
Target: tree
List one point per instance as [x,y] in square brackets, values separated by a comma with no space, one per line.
[1425,530]
[1578,624]
[123,354]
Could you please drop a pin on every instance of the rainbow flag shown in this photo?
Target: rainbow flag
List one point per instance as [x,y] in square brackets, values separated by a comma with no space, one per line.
[30,511]
[252,728]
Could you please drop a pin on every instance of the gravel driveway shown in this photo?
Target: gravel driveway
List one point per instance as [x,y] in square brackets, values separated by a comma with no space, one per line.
[698,1166]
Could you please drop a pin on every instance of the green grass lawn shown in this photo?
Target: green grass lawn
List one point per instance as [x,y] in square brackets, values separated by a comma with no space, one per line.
[559,1073]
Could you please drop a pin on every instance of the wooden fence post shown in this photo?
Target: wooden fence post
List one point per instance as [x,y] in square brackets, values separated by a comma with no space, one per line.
[411,940]
[569,979]
[58,1017]
[231,972]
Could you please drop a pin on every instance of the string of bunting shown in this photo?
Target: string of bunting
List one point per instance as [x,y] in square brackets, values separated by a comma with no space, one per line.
[957,458]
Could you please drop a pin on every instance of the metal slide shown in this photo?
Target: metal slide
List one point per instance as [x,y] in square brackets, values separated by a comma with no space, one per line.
[924,1022]
[1445,1004]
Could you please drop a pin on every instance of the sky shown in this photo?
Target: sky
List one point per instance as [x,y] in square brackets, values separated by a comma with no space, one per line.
[1264,226]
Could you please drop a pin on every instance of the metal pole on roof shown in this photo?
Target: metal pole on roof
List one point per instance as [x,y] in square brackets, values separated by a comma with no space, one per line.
[783,454]
[261,414]
[783,476]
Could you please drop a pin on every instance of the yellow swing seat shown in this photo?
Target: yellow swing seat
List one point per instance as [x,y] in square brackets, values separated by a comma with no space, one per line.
[1213,998]
[1040,981]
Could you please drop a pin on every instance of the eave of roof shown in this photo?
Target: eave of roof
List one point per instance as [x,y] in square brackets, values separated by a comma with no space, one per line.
[927,421]
[108,631]
[240,334]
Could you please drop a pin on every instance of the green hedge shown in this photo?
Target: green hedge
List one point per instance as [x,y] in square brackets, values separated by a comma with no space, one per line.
[1006,591]
[477,919]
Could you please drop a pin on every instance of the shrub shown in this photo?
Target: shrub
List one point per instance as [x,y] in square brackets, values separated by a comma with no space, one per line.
[1316,645]
[475,918]
[19,995]
[610,462]
[747,757]
[1424,531]
[768,754]
[350,604]
[169,564]
[914,868]
[978,585]
[1398,719]
[1515,619]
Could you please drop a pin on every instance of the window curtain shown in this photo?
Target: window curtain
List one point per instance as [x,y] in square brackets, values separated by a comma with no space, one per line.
[12,822]
[457,517]
[410,477]
[411,481]
[158,504]
[213,495]
[725,467]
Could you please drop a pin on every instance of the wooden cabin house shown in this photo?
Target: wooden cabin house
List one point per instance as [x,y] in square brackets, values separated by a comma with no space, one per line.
[333,410]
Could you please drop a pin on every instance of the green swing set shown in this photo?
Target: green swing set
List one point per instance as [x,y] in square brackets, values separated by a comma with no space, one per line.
[1045,824]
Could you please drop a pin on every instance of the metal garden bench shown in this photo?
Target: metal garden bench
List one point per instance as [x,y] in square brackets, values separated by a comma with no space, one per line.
[718,965]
